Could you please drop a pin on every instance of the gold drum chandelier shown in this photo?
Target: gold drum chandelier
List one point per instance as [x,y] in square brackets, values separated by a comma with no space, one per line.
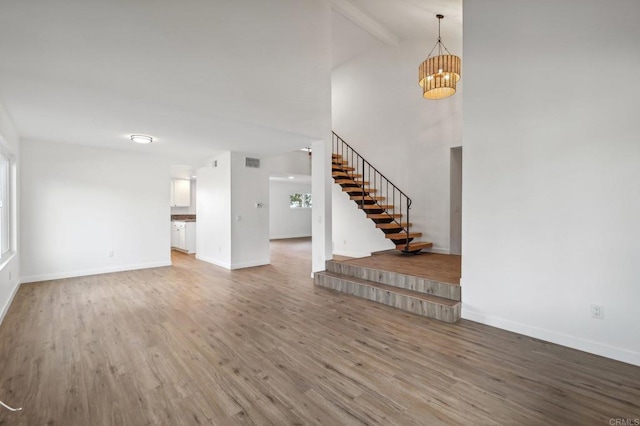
[438,75]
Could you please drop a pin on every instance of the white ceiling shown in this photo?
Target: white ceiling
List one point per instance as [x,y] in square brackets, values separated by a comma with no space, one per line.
[415,18]
[200,76]
[348,40]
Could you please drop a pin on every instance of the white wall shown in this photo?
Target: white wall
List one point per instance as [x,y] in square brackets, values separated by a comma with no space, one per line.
[232,232]
[322,221]
[293,163]
[353,234]
[285,222]
[80,203]
[10,268]
[249,223]
[551,189]
[378,109]
[192,207]
[213,212]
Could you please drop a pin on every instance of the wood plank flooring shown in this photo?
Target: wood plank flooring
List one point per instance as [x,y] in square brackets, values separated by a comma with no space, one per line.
[439,267]
[195,344]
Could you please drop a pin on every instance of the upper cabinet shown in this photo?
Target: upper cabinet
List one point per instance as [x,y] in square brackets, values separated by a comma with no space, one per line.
[180,193]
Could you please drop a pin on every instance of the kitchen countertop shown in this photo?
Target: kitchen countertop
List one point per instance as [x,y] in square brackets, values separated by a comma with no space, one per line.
[183,218]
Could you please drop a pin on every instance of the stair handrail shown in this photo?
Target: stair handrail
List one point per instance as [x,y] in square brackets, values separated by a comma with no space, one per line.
[338,148]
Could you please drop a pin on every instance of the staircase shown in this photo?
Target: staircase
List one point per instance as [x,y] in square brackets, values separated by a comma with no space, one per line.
[383,202]
[388,207]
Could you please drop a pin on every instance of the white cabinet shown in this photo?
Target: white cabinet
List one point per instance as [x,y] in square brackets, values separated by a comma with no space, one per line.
[190,237]
[183,236]
[174,235]
[180,193]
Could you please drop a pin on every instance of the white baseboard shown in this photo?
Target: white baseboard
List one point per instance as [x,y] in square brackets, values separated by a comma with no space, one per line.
[286,237]
[440,250]
[216,262]
[251,264]
[352,253]
[239,265]
[96,271]
[7,304]
[619,354]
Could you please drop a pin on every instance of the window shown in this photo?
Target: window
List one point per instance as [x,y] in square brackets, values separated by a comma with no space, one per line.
[5,204]
[300,201]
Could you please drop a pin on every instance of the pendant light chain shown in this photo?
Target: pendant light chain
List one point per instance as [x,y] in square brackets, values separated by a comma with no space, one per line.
[439,44]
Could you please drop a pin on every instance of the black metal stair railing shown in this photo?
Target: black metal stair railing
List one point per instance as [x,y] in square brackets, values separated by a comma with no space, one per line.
[392,198]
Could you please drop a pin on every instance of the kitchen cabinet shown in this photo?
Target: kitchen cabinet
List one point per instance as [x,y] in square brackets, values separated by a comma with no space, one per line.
[183,236]
[175,235]
[180,193]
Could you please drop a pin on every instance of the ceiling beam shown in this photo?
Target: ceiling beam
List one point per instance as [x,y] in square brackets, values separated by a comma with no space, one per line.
[366,22]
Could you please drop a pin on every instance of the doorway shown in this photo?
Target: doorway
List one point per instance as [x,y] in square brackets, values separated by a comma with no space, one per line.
[455,211]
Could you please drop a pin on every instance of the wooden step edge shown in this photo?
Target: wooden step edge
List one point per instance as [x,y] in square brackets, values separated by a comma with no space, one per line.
[415,246]
[344,174]
[351,182]
[393,289]
[358,189]
[383,215]
[403,235]
[366,198]
[375,207]
[392,225]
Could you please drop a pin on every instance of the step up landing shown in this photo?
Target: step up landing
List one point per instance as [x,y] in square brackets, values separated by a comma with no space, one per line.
[422,296]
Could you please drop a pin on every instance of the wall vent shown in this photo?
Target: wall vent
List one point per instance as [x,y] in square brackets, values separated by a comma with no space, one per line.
[252,162]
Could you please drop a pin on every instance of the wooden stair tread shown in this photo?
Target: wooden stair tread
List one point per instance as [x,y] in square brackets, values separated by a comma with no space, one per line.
[402,235]
[351,182]
[414,246]
[393,225]
[344,174]
[366,198]
[337,167]
[358,189]
[375,207]
[393,289]
[383,215]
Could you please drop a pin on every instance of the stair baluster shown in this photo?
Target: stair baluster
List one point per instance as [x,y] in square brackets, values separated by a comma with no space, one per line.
[373,188]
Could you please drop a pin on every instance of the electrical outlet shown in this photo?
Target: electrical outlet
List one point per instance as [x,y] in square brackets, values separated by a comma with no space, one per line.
[111,253]
[597,311]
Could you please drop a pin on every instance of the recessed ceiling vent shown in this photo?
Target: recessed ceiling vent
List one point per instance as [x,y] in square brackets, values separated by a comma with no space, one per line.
[252,162]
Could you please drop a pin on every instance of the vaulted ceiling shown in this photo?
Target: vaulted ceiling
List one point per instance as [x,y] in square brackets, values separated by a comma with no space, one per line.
[200,76]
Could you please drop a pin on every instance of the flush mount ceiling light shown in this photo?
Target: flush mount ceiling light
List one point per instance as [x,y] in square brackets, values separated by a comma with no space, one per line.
[438,75]
[141,139]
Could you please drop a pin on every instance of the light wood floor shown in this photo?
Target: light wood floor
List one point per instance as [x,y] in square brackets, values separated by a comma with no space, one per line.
[439,267]
[195,344]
